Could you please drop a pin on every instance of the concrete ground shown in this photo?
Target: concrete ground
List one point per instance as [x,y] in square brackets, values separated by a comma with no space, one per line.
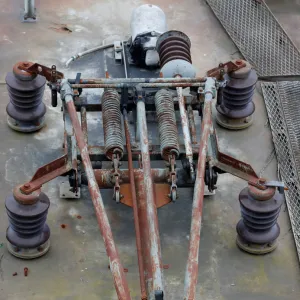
[76,265]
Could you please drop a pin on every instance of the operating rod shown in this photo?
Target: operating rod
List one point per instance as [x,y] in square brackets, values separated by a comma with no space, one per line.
[135,208]
[191,274]
[116,267]
[186,130]
[151,210]
[139,80]
[143,85]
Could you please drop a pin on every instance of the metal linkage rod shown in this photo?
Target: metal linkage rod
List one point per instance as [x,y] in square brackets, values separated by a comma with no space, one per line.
[151,211]
[139,80]
[143,85]
[116,267]
[191,274]
[135,208]
[186,131]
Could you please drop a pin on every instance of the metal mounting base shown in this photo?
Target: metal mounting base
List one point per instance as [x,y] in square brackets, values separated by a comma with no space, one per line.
[234,124]
[25,127]
[26,253]
[65,191]
[255,248]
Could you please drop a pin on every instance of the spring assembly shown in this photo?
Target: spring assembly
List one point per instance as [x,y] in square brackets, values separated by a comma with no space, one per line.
[27,234]
[235,106]
[173,45]
[167,128]
[258,228]
[113,136]
[25,110]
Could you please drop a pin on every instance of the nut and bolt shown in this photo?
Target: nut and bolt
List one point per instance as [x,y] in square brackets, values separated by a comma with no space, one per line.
[26,186]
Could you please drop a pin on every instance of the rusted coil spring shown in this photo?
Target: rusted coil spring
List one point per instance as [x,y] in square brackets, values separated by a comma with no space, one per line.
[111,114]
[167,128]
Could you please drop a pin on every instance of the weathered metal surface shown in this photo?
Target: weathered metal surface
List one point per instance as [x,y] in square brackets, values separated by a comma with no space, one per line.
[46,173]
[161,191]
[192,125]
[116,267]
[84,127]
[112,127]
[138,80]
[143,85]
[151,212]
[186,131]
[226,68]
[167,128]
[135,207]
[191,274]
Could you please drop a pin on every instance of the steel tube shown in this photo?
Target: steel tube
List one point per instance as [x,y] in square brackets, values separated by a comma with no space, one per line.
[135,208]
[151,211]
[185,130]
[29,8]
[84,123]
[116,267]
[192,125]
[191,274]
[143,85]
[139,80]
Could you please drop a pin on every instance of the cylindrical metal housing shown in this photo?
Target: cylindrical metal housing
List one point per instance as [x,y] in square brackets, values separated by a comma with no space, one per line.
[235,106]
[147,18]
[25,110]
[258,229]
[27,234]
[111,114]
[167,128]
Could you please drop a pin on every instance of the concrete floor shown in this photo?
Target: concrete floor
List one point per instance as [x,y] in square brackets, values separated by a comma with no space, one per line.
[76,265]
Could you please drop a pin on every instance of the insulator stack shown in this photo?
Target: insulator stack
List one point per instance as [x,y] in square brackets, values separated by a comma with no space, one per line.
[258,229]
[235,106]
[175,55]
[167,128]
[174,45]
[25,110]
[111,114]
[27,234]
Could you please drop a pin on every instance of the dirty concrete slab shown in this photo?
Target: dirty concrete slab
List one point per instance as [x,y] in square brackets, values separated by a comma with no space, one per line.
[76,265]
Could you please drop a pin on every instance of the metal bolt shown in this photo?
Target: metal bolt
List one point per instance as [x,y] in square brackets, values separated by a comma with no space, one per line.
[25,272]
[26,186]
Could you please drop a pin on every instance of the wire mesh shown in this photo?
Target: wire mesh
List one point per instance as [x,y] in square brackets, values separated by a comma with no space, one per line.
[283,110]
[258,35]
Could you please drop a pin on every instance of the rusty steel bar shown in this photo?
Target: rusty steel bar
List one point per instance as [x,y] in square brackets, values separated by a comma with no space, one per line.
[191,274]
[143,85]
[151,211]
[192,125]
[135,208]
[84,127]
[116,267]
[185,129]
[139,80]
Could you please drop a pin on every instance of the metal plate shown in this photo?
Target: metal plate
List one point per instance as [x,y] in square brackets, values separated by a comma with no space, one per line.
[258,36]
[282,102]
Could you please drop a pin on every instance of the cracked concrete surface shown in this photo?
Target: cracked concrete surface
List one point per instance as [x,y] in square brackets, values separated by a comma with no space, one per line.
[76,265]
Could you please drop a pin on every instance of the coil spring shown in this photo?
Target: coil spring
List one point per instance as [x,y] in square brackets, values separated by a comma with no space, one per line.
[167,128]
[113,137]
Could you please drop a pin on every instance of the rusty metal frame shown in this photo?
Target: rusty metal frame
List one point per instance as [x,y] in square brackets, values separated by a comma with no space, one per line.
[151,185]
